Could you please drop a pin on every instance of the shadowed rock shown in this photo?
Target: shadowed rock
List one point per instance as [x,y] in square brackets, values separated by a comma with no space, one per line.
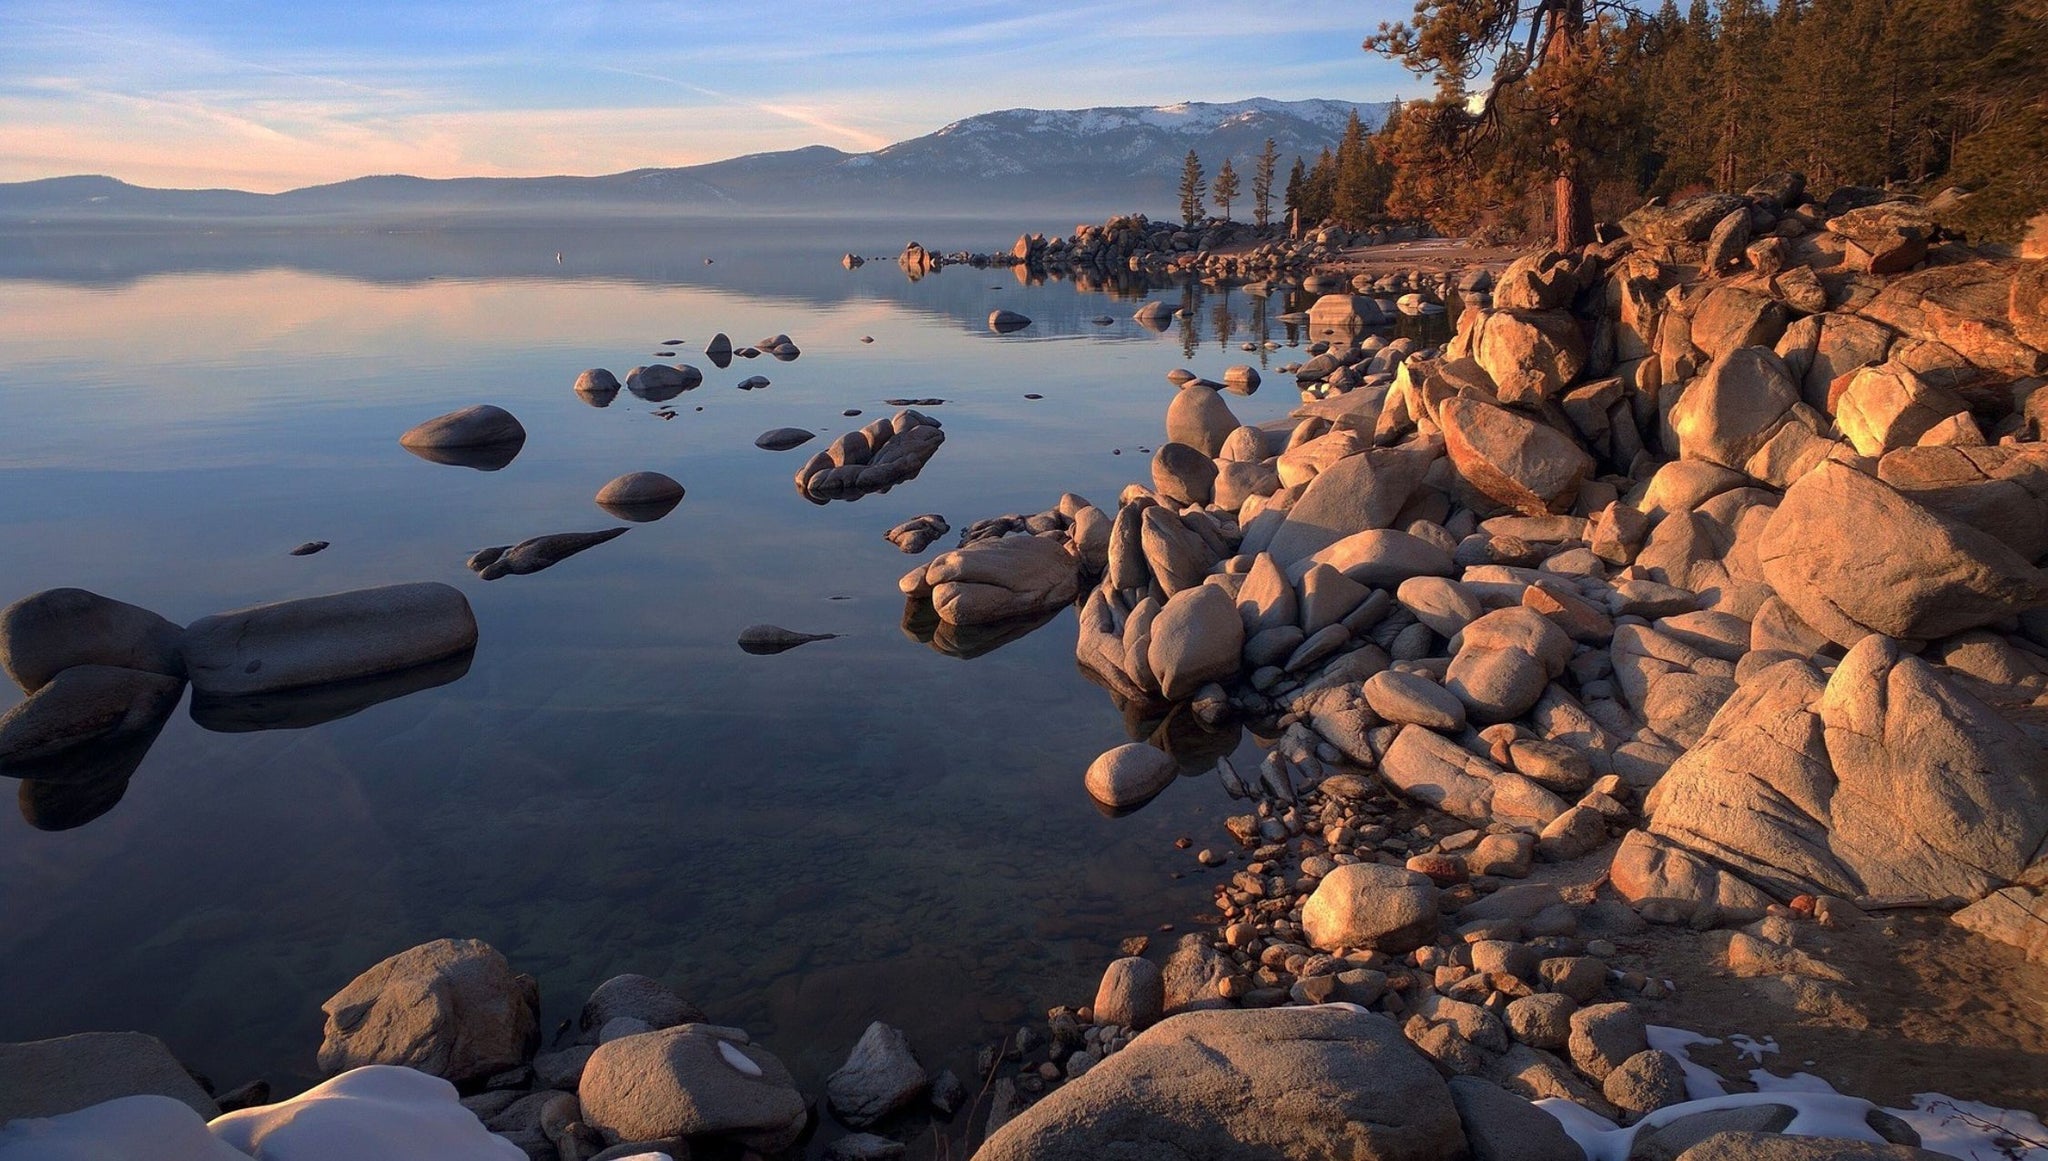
[597,387]
[719,351]
[50,631]
[541,552]
[783,438]
[661,382]
[763,639]
[1003,322]
[640,497]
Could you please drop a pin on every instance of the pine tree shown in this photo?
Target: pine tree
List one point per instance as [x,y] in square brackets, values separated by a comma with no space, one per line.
[1262,184]
[1225,189]
[1297,189]
[1192,189]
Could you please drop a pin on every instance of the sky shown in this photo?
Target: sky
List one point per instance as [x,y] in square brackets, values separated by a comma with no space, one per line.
[270,95]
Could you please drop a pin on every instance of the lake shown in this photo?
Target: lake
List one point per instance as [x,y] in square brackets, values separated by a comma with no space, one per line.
[862,828]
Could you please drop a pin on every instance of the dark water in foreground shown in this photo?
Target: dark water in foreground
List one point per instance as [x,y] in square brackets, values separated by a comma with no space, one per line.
[859,829]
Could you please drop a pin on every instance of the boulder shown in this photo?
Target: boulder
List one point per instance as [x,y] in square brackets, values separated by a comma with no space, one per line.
[2000,490]
[2016,917]
[1513,460]
[640,496]
[1368,905]
[784,438]
[1381,558]
[476,426]
[1727,415]
[1500,1126]
[1002,579]
[452,1008]
[597,386]
[1538,280]
[1132,993]
[1197,638]
[636,997]
[1692,220]
[1191,975]
[1730,317]
[1130,775]
[1282,1084]
[43,634]
[1182,473]
[1888,407]
[1433,769]
[43,1078]
[661,382]
[1892,236]
[881,1075]
[1406,699]
[1354,494]
[1529,355]
[318,640]
[393,1113]
[1199,418]
[691,1081]
[86,705]
[1926,577]
[1003,322]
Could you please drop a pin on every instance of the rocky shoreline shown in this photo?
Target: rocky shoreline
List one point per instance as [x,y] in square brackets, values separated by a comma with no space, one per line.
[1693,586]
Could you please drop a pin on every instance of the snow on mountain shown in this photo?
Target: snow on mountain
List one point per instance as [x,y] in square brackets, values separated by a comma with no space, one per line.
[1115,158]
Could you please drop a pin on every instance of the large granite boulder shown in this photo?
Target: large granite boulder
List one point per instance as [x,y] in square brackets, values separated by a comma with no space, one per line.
[1513,460]
[2002,491]
[1197,638]
[1726,415]
[1356,493]
[1281,1084]
[1199,418]
[1529,354]
[881,1075]
[1373,906]
[690,1081]
[1002,579]
[43,1078]
[46,633]
[1925,577]
[452,1008]
[394,1114]
[318,640]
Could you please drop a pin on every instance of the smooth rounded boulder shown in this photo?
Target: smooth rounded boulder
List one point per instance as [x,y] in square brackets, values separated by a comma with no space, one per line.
[43,634]
[1130,775]
[1199,418]
[476,426]
[1373,906]
[691,1081]
[1279,1084]
[317,640]
[1925,577]
[1197,638]
[1003,322]
[640,496]
[1512,460]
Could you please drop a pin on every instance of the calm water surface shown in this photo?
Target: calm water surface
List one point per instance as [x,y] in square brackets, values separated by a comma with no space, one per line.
[860,829]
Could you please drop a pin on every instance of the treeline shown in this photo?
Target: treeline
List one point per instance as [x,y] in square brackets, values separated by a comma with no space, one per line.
[1913,94]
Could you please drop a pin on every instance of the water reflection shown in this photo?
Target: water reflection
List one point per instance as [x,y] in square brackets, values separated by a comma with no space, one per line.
[298,709]
[922,623]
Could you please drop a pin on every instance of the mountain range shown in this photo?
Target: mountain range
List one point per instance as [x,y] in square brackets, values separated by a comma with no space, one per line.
[1100,160]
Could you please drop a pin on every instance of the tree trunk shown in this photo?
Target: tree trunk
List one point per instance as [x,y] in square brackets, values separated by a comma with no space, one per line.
[1574,211]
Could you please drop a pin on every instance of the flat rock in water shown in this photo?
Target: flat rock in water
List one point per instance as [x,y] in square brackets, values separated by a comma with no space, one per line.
[913,402]
[541,552]
[763,639]
[1003,322]
[309,548]
[318,640]
[784,438]
[752,383]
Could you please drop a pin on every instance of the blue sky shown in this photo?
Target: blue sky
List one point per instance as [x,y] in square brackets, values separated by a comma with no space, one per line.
[269,96]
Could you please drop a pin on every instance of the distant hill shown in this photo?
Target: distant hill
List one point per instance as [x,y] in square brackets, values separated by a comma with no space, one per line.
[1099,160]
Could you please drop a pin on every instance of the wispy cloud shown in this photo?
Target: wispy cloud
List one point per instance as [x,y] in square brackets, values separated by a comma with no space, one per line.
[167,93]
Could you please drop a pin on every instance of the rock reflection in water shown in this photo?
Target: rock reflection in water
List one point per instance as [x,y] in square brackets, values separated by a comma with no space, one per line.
[922,623]
[84,781]
[487,457]
[296,709]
